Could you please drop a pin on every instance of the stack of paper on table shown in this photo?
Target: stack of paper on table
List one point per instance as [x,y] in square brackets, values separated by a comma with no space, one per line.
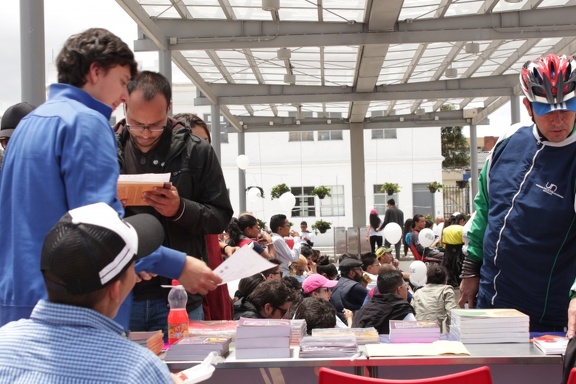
[196,348]
[297,331]
[551,344]
[152,340]
[404,331]
[440,347]
[213,328]
[363,335]
[131,187]
[328,346]
[494,325]
[262,338]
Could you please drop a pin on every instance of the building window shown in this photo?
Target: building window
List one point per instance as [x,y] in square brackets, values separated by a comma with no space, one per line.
[301,136]
[384,133]
[333,206]
[329,135]
[304,202]
[223,127]
[381,198]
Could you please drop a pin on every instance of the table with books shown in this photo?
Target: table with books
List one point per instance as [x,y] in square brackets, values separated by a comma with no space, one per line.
[510,362]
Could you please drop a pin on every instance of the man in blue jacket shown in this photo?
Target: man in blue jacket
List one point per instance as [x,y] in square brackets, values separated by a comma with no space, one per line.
[63,156]
[523,235]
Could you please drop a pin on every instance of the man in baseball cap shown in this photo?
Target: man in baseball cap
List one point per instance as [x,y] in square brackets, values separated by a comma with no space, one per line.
[9,121]
[87,262]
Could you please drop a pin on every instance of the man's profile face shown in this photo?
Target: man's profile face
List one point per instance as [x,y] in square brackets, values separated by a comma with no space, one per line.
[421,223]
[108,86]
[555,126]
[149,114]
[284,230]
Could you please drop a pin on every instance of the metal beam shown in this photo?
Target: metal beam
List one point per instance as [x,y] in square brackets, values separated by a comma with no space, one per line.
[240,94]
[229,34]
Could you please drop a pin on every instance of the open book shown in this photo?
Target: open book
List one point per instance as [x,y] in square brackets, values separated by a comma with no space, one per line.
[131,187]
[440,347]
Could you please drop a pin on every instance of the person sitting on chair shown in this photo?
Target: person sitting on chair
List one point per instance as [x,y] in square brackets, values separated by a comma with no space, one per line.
[390,304]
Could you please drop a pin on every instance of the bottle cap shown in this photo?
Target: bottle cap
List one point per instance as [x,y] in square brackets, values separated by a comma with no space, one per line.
[175,282]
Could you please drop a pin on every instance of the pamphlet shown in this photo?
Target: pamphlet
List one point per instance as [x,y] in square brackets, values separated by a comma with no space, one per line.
[131,187]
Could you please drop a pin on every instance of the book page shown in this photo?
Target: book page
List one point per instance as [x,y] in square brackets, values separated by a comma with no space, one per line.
[131,187]
[441,347]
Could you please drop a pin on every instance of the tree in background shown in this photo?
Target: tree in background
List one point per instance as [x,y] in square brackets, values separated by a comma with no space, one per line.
[455,147]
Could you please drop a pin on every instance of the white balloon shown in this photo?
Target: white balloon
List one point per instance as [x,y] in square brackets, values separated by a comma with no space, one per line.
[242,161]
[418,273]
[253,195]
[392,233]
[287,201]
[426,237]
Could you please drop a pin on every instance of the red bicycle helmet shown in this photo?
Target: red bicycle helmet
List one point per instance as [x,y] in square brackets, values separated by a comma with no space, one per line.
[549,79]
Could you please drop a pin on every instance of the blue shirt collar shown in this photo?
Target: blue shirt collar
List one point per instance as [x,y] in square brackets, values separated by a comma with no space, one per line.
[78,94]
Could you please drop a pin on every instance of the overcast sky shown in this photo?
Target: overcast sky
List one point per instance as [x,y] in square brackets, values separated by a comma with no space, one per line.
[66,17]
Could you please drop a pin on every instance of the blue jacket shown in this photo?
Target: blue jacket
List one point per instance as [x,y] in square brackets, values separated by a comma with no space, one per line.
[62,156]
[524,228]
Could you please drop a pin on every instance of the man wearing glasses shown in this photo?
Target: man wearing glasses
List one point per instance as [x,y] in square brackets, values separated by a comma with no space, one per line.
[271,299]
[196,201]
[349,292]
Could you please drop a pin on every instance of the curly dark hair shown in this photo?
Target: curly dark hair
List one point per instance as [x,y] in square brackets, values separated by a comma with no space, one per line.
[93,46]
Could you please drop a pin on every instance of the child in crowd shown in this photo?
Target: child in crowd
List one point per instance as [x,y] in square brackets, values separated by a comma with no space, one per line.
[436,299]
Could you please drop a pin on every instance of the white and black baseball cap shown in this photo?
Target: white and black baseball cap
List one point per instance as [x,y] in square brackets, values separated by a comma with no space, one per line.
[91,246]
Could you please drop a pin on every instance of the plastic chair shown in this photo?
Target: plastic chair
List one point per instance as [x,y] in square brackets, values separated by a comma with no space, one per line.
[474,376]
[572,377]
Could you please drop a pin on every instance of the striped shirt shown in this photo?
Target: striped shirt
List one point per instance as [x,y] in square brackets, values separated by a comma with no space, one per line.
[68,344]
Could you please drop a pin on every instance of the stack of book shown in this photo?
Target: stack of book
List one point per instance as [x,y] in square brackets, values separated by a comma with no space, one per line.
[551,344]
[196,348]
[363,335]
[152,340]
[495,325]
[215,328]
[328,346]
[297,331]
[263,338]
[404,331]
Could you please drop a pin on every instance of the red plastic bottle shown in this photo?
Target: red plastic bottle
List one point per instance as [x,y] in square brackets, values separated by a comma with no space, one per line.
[177,317]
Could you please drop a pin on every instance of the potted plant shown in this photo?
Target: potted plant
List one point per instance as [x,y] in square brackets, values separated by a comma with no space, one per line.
[278,190]
[321,226]
[434,186]
[321,192]
[461,183]
[390,188]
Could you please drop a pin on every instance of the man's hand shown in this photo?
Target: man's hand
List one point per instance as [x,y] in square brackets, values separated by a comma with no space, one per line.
[571,319]
[164,200]
[468,291]
[196,277]
[176,379]
[143,275]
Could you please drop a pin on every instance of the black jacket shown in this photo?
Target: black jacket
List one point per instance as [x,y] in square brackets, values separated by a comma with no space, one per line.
[196,173]
[380,310]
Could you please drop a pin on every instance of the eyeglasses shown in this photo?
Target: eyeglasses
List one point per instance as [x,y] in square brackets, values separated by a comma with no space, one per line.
[376,265]
[4,142]
[282,311]
[141,128]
